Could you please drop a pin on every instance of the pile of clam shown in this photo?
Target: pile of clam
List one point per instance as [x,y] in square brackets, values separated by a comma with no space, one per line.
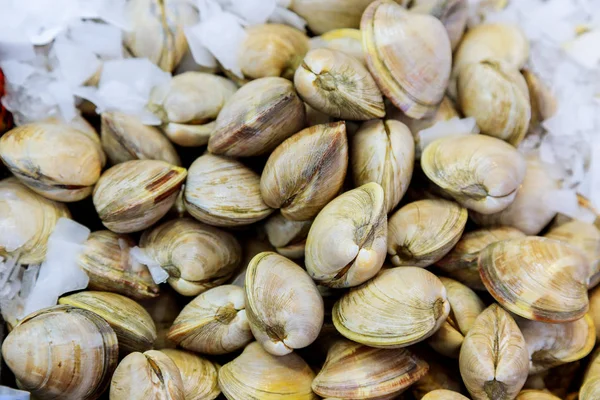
[317,245]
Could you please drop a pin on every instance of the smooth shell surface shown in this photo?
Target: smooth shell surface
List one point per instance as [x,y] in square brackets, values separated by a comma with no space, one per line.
[198,374]
[443,394]
[399,307]
[347,40]
[535,395]
[346,242]
[409,55]
[306,171]
[537,278]
[288,237]
[590,388]
[594,299]
[325,15]
[284,307]
[482,173]
[452,13]
[223,192]
[422,232]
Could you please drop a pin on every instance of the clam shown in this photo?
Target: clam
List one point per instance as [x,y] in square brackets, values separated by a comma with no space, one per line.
[438,377]
[550,345]
[62,352]
[259,116]
[186,135]
[284,307]
[383,152]
[157,31]
[422,232]
[223,192]
[347,40]
[543,103]
[125,137]
[590,388]
[197,257]
[133,195]
[532,208]
[272,50]
[409,55]
[252,246]
[493,358]
[198,374]
[537,278]
[496,95]
[149,375]
[326,15]
[585,237]
[594,299]
[535,395]
[355,371]
[288,237]
[107,261]
[306,171]
[28,219]
[482,173]
[461,262]
[83,126]
[346,242]
[399,307]
[256,374]
[215,322]
[452,13]
[443,394]
[465,307]
[338,85]
[54,160]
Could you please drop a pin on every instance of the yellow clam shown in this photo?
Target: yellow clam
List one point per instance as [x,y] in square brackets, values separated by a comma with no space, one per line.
[590,388]
[422,232]
[346,242]
[198,374]
[543,103]
[399,307]
[288,237]
[346,39]
[409,55]
[537,278]
[535,395]
[443,394]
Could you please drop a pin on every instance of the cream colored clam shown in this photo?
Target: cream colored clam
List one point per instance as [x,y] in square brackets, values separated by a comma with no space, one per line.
[149,375]
[543,103]
[493,359]
[132,324]
[256,374]
[399,307]
[125,137]
[54,160]
[306,171]
[222,191]
[590,388]
[326,15]
[465,307]
[594,299]
[496,95]
[383,152]
[288,237]
[461,262]
[482,173]
[198,374]
[338,85]
[443,394]
[62,352]
[452,13]
[284,307]
[347,40]
[537,278]
[409,55]
[197,257]
[133,195]
[355,371]
[346,242]
[535,395]
[28,219]
[189,135]
[422,232]
[259,116]
[83,126]
[215,322]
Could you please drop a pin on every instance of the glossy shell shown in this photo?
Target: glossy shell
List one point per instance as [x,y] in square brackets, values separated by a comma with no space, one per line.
[324,15]
[288,237]
[198,374]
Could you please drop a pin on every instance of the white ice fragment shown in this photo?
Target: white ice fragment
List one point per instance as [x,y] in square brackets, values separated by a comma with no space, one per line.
[19,50]
[159,275]
[282,15]
[60,272]
[7,393]
[564,201]
[76,63]
[101,39]
[453,126]
[15,72]
[254,12]
[585,49]
[7,267]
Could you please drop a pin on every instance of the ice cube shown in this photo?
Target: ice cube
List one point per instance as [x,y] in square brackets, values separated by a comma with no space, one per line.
[159,275]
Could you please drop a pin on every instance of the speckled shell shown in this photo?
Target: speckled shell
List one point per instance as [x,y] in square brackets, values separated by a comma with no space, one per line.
[198,374]
[133,195]
[27,221]
[355,371]
[482,173]
[422,232]
[537,278]
[493,359]
[383,152]
[288,237]
[222,191]
[306,171]
[399,307]
[284,307]
[215,322]
[258,375]
[257,118]
[197,257]
[461,262]
[346,242]
[408,54]
[62,352]
[54,160]
[443,394]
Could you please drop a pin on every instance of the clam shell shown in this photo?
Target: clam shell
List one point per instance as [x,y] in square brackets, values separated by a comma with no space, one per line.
[198,374]
[594,299]
[438,377]
[326,15]
[452,13]
[189,135]
[346,40]
[590,388]
[443,394]
[288,237]
[535,395]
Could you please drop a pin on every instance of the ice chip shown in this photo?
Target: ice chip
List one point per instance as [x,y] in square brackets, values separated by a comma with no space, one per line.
[453,126]
[159,275]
